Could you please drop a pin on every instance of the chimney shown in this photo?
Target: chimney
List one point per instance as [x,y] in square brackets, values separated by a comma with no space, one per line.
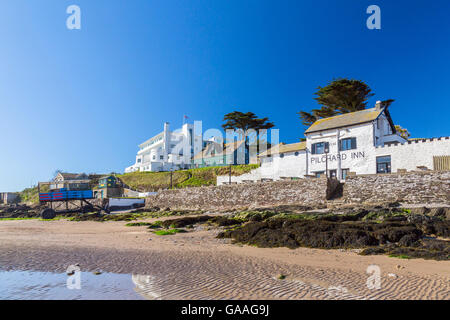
[378,105]
[166,145]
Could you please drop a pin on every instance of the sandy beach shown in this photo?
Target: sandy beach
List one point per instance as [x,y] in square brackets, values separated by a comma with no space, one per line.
[196,265]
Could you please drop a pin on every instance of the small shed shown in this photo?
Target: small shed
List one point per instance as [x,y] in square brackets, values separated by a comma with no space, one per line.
[108,186]
[108,182]
[9,197]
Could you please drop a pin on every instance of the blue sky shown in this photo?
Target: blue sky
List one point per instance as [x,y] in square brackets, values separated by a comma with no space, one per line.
[82,100]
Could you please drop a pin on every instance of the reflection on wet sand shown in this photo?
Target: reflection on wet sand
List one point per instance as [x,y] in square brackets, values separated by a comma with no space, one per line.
[146,286]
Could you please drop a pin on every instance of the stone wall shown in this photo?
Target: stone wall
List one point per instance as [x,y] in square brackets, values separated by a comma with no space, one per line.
[304,192]
[412,187]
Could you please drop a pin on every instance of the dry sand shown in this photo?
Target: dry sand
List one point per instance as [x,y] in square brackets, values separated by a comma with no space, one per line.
[196,265]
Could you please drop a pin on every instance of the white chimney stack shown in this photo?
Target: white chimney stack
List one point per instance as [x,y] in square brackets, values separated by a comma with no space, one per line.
[378,105]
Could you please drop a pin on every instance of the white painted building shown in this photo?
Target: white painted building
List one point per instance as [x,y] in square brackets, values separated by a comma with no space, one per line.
[363,142]
[168,150]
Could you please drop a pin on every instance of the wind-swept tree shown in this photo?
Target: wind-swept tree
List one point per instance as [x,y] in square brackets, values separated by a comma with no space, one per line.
[238,120]
[338,97]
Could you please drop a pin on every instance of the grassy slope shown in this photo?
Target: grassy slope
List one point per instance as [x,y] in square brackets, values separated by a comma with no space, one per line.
[153,181]
[31,195]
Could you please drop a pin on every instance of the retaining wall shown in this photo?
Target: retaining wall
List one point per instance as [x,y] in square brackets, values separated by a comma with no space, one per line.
[305,192]
[426,187]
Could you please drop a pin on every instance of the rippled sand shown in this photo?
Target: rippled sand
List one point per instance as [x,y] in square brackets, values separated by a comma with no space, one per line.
[195,265]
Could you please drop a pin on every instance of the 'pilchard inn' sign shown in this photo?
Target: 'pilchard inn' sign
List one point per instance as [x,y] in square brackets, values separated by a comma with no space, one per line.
[334,157]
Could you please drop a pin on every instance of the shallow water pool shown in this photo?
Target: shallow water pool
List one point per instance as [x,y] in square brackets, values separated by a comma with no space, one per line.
[34,285]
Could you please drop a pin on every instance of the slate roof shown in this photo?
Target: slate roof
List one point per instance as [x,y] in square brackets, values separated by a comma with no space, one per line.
[284,148]
[218,149]
[345,120]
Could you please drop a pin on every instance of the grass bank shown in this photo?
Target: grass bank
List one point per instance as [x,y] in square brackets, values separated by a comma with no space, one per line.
[153,181]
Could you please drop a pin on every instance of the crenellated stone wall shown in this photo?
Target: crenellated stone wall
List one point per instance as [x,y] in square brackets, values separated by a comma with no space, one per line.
[426,187]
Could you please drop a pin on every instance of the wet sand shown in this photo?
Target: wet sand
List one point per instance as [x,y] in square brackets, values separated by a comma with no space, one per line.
[195,265]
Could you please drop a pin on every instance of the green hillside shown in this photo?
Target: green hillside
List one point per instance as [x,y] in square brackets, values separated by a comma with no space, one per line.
[31,195]
[153,181]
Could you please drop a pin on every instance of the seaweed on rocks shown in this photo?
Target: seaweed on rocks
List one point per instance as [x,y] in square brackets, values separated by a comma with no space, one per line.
[396,235]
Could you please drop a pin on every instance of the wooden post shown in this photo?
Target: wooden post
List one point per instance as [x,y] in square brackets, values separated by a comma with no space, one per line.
[39,192]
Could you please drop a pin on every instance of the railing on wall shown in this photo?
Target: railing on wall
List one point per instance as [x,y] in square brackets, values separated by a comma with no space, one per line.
[441,163]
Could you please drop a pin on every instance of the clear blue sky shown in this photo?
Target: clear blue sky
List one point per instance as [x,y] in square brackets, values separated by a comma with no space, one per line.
[81,101]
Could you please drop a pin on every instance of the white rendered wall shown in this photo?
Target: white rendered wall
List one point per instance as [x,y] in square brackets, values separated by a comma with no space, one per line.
[356,160]
[275,168]
[413,154]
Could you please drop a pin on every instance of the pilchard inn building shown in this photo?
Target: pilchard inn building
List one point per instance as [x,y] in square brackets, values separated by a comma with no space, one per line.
[362,142]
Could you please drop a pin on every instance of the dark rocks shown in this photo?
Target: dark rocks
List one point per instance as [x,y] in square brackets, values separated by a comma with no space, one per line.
[395,204]
[183,222]
[399,234]
[419,210]
[409,240]
[440,212]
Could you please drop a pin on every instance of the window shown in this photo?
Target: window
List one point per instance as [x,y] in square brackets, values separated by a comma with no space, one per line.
[345,173]
[191,137]
[384,164]
[319,148]
[154,158]
[139,161]
[319,173]
[161,157]
[281,155]
[296,153]
[347,144]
